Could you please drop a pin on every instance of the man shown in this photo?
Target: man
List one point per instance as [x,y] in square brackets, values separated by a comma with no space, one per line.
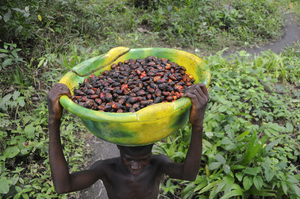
[136,173]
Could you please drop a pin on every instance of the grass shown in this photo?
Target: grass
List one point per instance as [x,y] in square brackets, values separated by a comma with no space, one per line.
[41,40]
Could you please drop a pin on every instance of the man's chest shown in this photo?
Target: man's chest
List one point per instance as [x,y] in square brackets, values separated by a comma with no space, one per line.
[144,185]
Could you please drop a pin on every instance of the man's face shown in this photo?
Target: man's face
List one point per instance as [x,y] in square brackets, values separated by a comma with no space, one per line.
[135,164]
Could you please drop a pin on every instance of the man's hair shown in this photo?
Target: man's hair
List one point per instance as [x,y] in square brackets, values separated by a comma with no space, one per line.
[136,150]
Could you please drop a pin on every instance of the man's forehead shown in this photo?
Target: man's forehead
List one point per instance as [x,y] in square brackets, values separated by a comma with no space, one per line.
[136,156]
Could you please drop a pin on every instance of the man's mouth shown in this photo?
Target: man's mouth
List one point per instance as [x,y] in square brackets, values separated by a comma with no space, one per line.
[135,172]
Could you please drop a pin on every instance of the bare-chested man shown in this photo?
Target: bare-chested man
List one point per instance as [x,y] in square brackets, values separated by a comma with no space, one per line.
[136,173]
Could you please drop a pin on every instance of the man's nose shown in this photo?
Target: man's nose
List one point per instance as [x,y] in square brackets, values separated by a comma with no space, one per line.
[135,165]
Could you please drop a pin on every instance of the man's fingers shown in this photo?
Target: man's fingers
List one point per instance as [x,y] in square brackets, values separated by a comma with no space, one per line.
[193,97]
[62,89]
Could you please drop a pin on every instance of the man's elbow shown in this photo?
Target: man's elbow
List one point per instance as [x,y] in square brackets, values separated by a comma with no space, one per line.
[61,189]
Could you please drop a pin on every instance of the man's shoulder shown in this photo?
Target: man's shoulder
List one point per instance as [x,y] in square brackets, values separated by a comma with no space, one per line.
[160,158]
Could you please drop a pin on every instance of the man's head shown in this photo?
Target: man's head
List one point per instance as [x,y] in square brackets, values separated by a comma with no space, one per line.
[136,158]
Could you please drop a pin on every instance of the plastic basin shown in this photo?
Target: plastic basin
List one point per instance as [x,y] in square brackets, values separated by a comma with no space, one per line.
[148,125]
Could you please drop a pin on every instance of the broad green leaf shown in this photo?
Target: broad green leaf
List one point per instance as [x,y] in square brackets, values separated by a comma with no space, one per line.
[4,186]
[284,187]
[247,182]
[6,98]
[2,54]
[296,189]
[188,191]
[272,144]
[239,176]
[4,50]
[25,196]
[269,174]
[289,127]
[29,130]
[21,101]
[241,136]
[235,192]
[226,141]
[258,182]
[222,108]
[16,95]
[11,152]
[253,148]
[221,99]
[7,62]
[292,179]
[200,186]
[226,168]
[237,167]
[7,16]
[214,165]
[220,158]
[209,186]
[263,192]
[252,171]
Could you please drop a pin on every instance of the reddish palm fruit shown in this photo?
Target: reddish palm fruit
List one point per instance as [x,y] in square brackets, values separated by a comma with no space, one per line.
[116,105]
[162,80]
[152,79]
[124,86]
[102,96]
[122,101]
[156,78]
[149,96]
[113,66]
[157,100]
[151,90]
[140,93]
[132,94]
[120,111]
[86,80]
[158,93]
[172,77]
[139,98]
[136,105]
[132,100]
[166,93]
[145,103]
[145,78]
[90,92]
[93,96]
[169,98]
[98,101]
[108,97]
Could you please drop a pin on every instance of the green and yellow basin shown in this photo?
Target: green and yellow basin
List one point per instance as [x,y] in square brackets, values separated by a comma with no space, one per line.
[148,125]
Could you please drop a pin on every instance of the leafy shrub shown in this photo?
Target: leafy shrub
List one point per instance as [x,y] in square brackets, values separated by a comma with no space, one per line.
[251,143]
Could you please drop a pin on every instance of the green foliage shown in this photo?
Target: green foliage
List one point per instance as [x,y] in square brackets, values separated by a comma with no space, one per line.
[251,143]
[24,162]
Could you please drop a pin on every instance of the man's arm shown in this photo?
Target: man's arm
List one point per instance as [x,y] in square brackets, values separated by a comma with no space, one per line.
[189,169]
[63,181]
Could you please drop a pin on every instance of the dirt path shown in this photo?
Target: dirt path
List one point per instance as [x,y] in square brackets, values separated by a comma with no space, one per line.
[291,36]
[104,150]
